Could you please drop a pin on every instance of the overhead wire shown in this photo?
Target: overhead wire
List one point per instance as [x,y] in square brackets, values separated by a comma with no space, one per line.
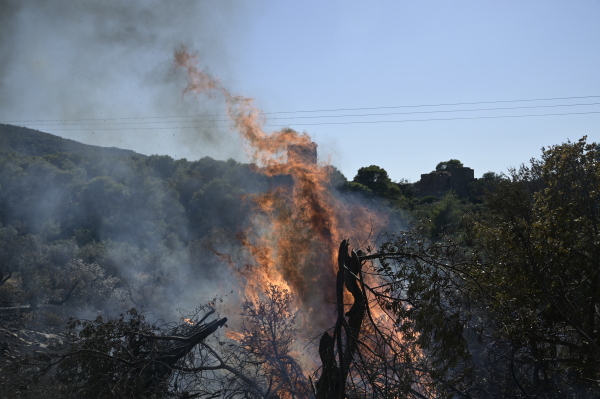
[326,116]
[440,105]
[310,111]
[348,123]
[443,119]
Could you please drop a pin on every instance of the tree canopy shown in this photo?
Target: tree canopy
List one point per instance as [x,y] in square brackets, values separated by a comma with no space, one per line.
[375,180]
[509,306]
[543,264]
[447,165]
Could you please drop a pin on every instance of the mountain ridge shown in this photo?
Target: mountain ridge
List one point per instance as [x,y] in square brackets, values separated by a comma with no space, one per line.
[30,142]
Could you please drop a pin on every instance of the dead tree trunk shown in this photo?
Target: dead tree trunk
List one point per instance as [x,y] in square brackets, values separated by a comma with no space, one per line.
[336,364]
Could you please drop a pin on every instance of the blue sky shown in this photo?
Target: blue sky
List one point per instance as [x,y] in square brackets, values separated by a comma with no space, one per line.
[114,60]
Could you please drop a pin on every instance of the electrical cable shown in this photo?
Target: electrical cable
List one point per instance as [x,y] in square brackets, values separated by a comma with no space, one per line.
[441,119]
[325,116]
[439,105]
[309,111]
[348,123]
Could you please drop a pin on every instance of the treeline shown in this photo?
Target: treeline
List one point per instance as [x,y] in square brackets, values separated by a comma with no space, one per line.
[136,199]
[96,194]
[373,184]
[507,304]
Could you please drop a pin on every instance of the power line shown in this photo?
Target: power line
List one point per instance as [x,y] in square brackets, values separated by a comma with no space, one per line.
[327,116]
[311,111]
[438,105]
[348,123]
[442,119]
[441,111]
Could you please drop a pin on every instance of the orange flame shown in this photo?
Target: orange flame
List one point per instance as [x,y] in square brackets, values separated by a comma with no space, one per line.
[236,336]
[295,224]
[298,224]
[188,321]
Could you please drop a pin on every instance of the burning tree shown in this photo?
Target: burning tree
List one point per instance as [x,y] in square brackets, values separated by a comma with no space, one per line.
[292,242]
[369,354]
[366,354]
[269,334]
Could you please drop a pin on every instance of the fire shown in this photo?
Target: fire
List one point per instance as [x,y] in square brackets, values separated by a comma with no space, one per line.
[188,321]
[236,336]
[296,228]
[294,224]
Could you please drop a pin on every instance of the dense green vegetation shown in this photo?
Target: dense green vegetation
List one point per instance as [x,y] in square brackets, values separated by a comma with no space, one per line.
[20,140]
[505,302]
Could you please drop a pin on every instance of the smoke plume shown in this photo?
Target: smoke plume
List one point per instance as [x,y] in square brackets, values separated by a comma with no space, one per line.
[84,63]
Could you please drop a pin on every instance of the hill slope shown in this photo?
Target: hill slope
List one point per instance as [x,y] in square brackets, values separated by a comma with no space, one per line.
[31,142]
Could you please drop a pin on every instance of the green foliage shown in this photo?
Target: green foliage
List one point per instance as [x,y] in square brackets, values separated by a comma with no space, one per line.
[228,211]
[393,191]
[29,142]
[544,259]
[123,197]
[447,165]
[408,190]
[478,188]
[510,305]
[373,177]
[359,188]
[429,199]
[51,272]
[491,176]
[445,215]
[83,236]
[374,181]
[427,300]
[337,180]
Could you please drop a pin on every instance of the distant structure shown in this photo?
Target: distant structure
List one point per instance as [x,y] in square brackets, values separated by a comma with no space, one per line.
[305,153]
[437,183]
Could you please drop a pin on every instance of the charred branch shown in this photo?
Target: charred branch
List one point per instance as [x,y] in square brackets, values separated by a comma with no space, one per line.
[3,278]
[332,383]
[66,298]
[130,357]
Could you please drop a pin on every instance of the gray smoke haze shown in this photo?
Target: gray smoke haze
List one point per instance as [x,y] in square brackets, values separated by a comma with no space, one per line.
[73,60]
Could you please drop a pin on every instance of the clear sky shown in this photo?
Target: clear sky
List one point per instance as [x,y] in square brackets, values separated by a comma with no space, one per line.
[69,60]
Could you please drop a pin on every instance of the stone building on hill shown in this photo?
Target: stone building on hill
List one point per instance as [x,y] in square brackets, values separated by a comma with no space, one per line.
[437,183]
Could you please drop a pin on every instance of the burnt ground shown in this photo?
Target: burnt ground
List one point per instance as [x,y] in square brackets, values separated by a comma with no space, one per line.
[26,333]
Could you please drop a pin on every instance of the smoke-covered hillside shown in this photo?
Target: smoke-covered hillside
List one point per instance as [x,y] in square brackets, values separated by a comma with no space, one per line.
[95,193]
[111,225]
[31,142]
[133,223]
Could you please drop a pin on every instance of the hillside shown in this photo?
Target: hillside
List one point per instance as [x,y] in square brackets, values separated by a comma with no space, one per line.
[24,141]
